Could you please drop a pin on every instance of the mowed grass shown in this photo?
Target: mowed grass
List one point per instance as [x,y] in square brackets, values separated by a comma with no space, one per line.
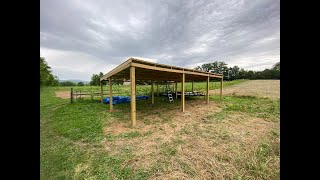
[238,140]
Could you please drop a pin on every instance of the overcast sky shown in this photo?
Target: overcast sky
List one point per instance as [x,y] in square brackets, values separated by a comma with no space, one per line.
[79,38]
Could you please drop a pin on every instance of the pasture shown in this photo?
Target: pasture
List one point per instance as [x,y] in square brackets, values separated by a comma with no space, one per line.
[236,138]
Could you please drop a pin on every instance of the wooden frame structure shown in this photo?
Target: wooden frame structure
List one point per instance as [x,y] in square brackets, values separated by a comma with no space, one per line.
[135,69]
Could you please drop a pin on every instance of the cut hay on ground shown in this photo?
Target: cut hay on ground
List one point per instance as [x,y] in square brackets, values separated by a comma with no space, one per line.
[260,88]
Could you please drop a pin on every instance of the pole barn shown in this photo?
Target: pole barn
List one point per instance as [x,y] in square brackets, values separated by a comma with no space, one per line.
[135,69]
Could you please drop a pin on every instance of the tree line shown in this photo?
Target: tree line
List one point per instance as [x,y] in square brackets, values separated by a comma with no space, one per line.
[229,73]
[70,83]
[95,80]
[232,73]
[48,79]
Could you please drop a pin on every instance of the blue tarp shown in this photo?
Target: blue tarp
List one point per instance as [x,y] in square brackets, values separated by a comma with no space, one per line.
[122,99]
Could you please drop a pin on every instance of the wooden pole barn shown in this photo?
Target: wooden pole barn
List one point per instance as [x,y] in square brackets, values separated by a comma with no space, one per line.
[135,69]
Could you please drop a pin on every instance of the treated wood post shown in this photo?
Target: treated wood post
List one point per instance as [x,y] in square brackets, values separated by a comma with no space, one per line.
[133,95]
[208,80]
[215,87]
[157,89]
[152,92]
[192,86]
[182,92]
[110,84]
[71,95]
[101,87]
[176,89]
[221,85]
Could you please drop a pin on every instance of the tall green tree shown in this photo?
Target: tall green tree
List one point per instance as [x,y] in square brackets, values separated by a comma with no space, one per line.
[232,73]
[100,76]
[215,67]
[95,80]
[250,75]
[80,84]
[276,71]
[46,77]
[242,74]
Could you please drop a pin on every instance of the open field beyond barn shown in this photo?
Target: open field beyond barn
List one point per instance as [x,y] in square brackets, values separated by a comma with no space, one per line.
[237,138]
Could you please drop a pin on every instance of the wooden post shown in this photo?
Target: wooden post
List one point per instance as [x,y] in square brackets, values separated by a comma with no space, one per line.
[182,92]
[110,84]
[192,86]
[101,87]
[215,88]
[208,80]
[152,92]
[71,95]
[157,90]
[135,89]
[221,85]
[176,89]
[133,95]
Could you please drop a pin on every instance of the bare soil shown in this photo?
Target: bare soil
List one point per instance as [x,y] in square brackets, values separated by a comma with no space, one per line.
[63,94]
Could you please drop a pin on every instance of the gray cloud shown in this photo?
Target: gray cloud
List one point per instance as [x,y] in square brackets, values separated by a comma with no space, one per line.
[98,35]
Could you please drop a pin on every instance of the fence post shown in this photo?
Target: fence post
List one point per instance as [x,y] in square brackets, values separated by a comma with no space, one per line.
[71,95]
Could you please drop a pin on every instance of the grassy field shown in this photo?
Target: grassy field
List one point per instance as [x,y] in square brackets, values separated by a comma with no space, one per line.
[237,138]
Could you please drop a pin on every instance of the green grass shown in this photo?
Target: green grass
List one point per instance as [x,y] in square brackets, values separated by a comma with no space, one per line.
[71,135]
[265,108]
[62,126]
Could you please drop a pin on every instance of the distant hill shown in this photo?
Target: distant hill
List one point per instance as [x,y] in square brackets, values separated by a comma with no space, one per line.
[75,81]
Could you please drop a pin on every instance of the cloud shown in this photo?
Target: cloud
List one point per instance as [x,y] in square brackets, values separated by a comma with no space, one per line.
[97,35]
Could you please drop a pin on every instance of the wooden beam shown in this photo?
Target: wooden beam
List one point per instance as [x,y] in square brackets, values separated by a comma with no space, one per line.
[152,92]
[176,90]
[169,66]
[208,81]
[121,67]
[133,96]
[147,75]
[192,86]
[101,87]
[170,70]
[221,85]
[110,84]
[182,92]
